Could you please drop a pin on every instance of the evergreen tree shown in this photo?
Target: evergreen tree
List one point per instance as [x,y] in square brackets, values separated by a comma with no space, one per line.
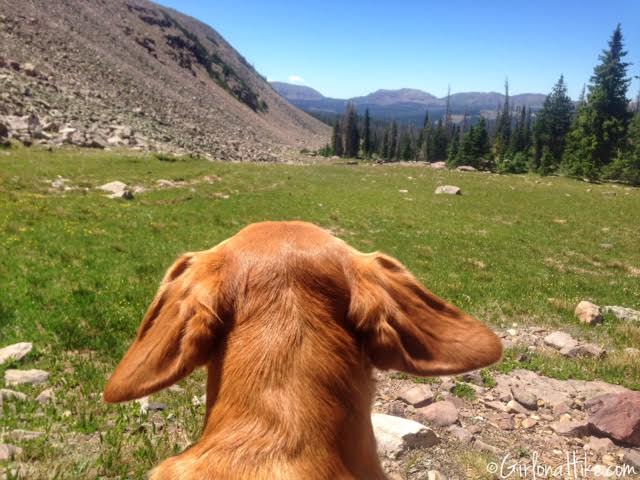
[503,127]
[626,166]
[366,135]
[475,147]
[336,139]
[406,147]
[454,147]
[551,128]
[385,145]
[600,129]
[350,132]
[439,143]
[393,141]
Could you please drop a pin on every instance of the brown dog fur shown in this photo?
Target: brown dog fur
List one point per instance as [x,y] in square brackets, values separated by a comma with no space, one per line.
[289,322]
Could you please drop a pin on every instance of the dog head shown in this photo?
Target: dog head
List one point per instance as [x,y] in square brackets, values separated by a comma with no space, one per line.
[281,287]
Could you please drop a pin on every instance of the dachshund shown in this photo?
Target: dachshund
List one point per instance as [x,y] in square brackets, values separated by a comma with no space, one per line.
[290,322]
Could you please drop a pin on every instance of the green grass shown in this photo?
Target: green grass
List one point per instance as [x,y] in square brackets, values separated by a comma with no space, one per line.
[78,270]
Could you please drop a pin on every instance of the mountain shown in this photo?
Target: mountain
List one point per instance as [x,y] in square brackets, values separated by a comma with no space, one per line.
[410,105]
[296,92]
[94,69]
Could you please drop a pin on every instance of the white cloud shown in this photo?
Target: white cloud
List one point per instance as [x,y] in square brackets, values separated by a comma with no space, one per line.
[296,79]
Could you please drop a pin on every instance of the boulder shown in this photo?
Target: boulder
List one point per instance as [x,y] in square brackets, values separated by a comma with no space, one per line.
[588,313]
[6,394]
[418,396]
[148,406]
[395,435]
[17,351]
[448,190]
[466,168]
[438,165]
[584,350]
[632,458]
[570,428]
[621,313]
[117,189]
[616,416]
[46,396]
[20,377]
[442,414]
[599,445]
[461,434]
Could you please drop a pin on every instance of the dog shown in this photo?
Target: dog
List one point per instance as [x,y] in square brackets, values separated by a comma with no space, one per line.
[290,322]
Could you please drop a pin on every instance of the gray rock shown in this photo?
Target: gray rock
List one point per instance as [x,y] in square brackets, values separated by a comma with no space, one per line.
[437,165]
[418,396]
[588,313]
[9,452]
[485,447]
[584,350]
[147,406]
[466,168]
[20,435]
[17,351]
[442,414]
[623,313]
[448,190]
[461,434]
[395,435]
[516,407]
[20,377]
[46,396]
[6,394]
[560,340]
[525,398]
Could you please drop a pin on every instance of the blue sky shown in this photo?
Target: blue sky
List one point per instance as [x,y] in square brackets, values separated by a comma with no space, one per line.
[352,47]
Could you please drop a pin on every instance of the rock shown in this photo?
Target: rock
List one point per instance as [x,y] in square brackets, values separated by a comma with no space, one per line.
[442,414]
[9,452]
[95,141]
[473,377]
[485,447]
[529,423]
[438,165]
[525,398]
[418,396]
[434,475]
[6,394]
[113,187]
[461,434]
[616,416]
[148,406]
[24,435]
[59,183]
[396,435]
[632,458]
[164,183]
[569,428]
[588,313]
[599,445]
[561,409]
[448,190]
[466,168]
[584,350]
[46,396]
[20,377]
[505,422]
[560,340]
[17,351]
[622,313]
[29,70]
[516,407]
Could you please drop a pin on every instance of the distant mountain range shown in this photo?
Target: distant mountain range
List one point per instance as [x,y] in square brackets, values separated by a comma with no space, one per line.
[405,104]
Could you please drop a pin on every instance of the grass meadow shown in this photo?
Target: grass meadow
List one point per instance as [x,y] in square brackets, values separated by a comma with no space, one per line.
[77,271]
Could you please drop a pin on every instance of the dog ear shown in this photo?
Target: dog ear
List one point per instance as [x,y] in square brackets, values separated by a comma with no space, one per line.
[406,327]
[177,333]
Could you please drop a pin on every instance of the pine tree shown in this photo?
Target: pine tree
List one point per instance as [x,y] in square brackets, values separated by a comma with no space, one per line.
[406,147]
[475,147]
[393,141]
[454,147]
[503,127]
[626,166]
[439,143]
[386,144]
[350,132]
[336,139]
[366,135]
[551,128]
[600,129]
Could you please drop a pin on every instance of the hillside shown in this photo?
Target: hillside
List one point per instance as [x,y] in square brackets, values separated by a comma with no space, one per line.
[133,73]
[407,104]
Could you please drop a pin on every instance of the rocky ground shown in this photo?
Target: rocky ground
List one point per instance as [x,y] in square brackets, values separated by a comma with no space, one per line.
[484,424]
[132,74]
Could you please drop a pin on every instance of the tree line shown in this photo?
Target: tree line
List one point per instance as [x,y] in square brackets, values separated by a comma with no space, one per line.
[597,137]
